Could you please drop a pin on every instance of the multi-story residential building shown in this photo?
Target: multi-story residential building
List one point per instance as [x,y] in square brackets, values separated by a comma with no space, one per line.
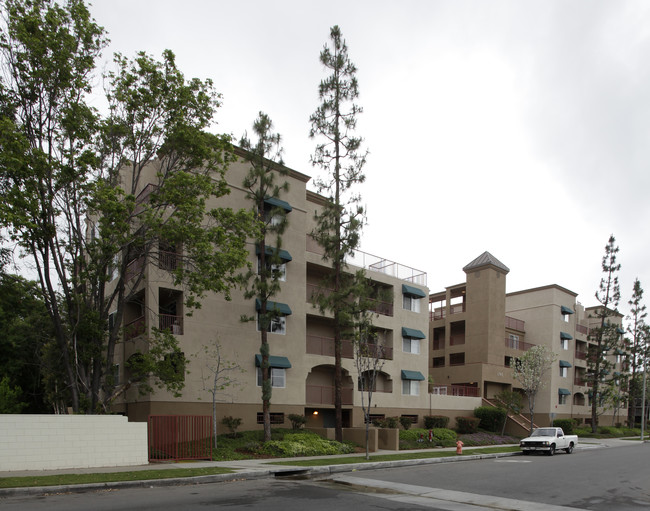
[301,340]
[477,331]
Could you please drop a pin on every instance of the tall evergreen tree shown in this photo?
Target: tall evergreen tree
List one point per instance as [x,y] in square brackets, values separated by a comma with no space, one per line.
[606,337]
[637,347]
[262,188]
[339,155]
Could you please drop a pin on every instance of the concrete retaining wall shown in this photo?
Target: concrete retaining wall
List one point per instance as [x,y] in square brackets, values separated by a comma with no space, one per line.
[48,442]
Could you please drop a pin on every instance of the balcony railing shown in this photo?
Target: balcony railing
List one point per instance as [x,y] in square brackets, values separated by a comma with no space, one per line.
[441,312]
[582,329]
[383,308]
[167,260]
[317,345]
[515,324]
[324,395]
[384,352]
[172,323]
[580,381]
[581,355]
[134,268]
[135,328]
[516,344]
[455,390]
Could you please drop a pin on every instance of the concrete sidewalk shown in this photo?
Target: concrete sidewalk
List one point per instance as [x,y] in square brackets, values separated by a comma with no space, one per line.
[260,468]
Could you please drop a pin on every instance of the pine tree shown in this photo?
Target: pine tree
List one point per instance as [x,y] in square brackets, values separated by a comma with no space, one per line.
[265,158]
[339,223]
[637,346]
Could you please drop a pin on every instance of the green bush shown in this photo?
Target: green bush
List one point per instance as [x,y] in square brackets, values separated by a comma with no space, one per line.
[435,421]
[406,422]
[232,423]
[491,418]
[567,425]
[409,439]
[303,444]
[297,421]
[388,422]
[467,424]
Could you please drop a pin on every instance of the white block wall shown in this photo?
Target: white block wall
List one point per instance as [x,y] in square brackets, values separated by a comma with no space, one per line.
[48,442]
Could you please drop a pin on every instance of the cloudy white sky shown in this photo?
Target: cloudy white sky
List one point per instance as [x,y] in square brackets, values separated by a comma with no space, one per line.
[517,127]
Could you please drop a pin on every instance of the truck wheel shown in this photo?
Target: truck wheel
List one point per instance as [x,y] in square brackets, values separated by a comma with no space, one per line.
[569,449]
[551,450]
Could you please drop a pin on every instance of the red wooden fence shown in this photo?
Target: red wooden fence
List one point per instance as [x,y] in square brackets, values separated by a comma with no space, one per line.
[180,437]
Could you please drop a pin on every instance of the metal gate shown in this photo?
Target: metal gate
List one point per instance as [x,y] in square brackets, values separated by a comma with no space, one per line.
[180,437]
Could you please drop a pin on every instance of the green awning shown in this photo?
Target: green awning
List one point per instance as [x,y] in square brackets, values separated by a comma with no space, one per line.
[564,363]
[280,308]
[413,291]
[278,203]
[277,362]
[412,375]
[563,392]
[282,254]
[413,333]
[566,310]
[619,351]
[619,330]
[564,335]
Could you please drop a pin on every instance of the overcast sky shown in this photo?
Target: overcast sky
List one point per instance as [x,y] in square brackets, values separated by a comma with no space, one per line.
[516,127]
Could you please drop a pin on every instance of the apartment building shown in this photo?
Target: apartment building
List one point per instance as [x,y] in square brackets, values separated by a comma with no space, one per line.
[477,331]
[301,340]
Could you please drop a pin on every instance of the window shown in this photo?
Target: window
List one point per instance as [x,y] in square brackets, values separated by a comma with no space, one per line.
[374,417]
[562,399]
[411,345]
[565,318]
[564,343]
[513,341]
[278,271]
[457,359]
[410,387]
[411,303]
[438,361]
[278,377]
[276,418]
[564,372]
[278,325]
[507,362]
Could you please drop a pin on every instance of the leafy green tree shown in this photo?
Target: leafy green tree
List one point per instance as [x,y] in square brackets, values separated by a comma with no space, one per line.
[511,402]
[606,337]
[531,371]
[262,188]
[10,397]
[637,346]
[86,197]
[338,224]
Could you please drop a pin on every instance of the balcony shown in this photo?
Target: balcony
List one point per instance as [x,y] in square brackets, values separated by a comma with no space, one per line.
[383,308]
[516,344]
[174,324]
[515,324]
[455,390]
[579,381]
[580,355]
[375,351]
[317,345]
[135,328]
[324,395]
[441,312]
[582,329]
[134,268]
[167,260]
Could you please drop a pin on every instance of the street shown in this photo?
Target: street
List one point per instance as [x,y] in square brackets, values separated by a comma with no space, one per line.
[591,478]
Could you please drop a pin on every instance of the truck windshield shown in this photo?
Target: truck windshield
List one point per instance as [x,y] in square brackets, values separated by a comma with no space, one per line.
[544,432]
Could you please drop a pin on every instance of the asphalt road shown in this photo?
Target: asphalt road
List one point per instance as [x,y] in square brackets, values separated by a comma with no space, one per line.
[613,479]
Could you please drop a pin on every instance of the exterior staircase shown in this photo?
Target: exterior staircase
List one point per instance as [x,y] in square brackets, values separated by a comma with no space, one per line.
[519,422]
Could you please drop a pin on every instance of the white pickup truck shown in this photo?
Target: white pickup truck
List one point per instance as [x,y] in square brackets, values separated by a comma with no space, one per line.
[548,440]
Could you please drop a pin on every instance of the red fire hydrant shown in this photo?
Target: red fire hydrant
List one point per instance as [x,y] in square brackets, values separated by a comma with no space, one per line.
[459,447]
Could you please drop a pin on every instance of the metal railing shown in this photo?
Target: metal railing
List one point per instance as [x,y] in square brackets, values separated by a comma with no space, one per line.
[516,344]
[180,437]
[581,355]
[582,329]
[318,345]
[441,312]
[455,390]
[383,308]
[324,395]
[172,323]
[167,260]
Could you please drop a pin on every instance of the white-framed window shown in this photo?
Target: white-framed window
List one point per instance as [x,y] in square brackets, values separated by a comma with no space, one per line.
[410,387]
[278,377]
[561,398]
[411,345]
[278,270]
[564,343]
[564,372]
[278,325]
[513,341]
[619,359]
[565,318]
[411,303]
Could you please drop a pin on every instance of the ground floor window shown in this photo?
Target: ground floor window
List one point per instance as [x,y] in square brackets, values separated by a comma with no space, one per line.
[276,418]
[410,387]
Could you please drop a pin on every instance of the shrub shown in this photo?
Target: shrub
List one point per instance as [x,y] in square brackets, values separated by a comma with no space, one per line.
[392,422]
[303,444]
[297,421]
[232,423]
[567,425]
[409,439]
[477,439]
[406,422]
[491,418]
[435,421]
[467,424]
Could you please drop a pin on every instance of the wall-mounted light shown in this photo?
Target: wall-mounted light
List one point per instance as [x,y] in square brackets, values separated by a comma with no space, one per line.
[315,412]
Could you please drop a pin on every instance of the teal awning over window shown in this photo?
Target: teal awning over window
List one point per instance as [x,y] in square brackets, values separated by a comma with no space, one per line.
[564,335]
[619,351]
[564,363]
[278,203]
[283,254]
[412,375]
[277,362]
[619,330]
[280,308]
[413,291]
[564,392]
[566,310]
[413,333]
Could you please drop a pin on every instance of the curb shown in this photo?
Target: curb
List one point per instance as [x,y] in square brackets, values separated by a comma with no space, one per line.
[287,472]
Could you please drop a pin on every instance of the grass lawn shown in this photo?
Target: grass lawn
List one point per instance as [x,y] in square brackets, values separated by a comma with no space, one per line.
[393,457]
[136,475]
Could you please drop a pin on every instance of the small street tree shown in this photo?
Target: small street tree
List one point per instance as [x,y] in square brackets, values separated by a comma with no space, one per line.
[636,348]
[531,371]
[338,224]
[606,337]
[263,189]
[511,402]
